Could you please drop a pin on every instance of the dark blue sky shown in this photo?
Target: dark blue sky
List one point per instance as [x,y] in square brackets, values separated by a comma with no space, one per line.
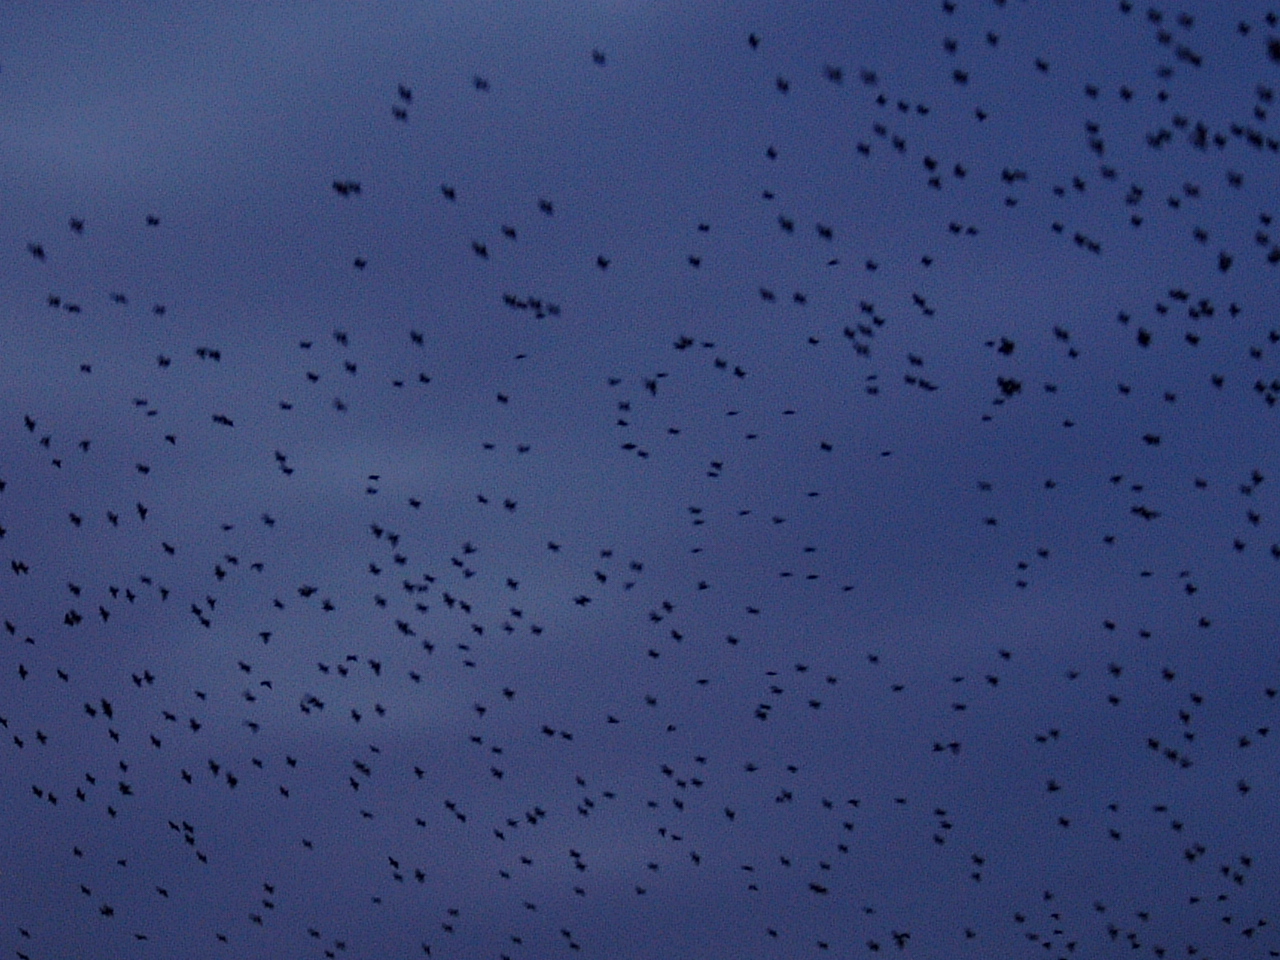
[634,480]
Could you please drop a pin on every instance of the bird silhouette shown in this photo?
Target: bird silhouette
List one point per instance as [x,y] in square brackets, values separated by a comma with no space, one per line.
[856,570]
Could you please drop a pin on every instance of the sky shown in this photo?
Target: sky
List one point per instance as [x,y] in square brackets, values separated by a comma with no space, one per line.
[639,479]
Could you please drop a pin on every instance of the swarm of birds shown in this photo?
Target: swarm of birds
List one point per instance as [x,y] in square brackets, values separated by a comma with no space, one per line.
[800,486]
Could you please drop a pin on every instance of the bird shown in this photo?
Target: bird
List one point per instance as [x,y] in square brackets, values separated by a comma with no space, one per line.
[843,534]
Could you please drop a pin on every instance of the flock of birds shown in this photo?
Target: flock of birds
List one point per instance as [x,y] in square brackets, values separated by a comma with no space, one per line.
[668,563]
